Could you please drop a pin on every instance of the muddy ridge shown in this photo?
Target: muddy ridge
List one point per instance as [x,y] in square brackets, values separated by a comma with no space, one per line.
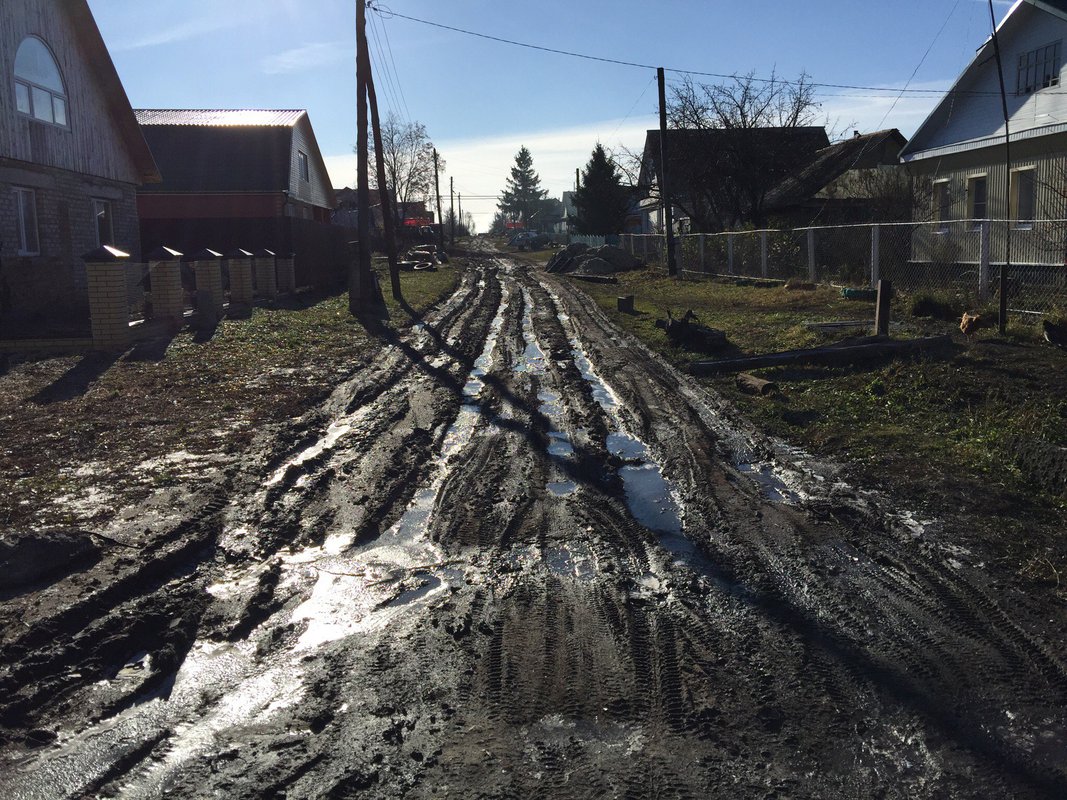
[517,555]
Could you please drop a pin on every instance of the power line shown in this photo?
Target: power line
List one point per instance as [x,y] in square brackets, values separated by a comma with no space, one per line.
[391,85]
[382,10]
[396,72]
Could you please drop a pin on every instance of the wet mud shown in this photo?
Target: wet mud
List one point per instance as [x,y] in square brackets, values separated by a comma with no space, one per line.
[519,556]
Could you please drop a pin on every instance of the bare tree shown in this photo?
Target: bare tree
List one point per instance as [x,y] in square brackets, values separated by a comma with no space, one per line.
[408,155]
[721,181]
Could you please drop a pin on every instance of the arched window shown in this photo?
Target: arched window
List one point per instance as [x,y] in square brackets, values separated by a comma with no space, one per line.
[39,89]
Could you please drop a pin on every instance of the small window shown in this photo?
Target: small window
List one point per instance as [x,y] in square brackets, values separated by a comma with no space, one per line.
[39,91]
[302,159]
[105,230]
[1039,69]
[1023,197]
[942,205]
[26,222]
[977,199]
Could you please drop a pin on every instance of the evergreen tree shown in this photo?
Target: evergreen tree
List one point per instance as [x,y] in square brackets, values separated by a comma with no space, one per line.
[523,195]
[601,199]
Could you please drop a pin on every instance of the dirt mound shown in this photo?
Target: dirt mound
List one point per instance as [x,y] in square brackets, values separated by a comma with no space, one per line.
[592,261]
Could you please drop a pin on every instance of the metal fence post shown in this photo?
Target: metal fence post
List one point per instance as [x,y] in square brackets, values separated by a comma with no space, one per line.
[876,235]
[811,255]
[983,262]
[730,253]
[703,268]
[763,253]
[644,242]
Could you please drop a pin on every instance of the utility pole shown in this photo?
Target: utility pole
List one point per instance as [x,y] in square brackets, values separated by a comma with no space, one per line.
[452,210]
[388,219]
[577,179]
[460,196]
[665,197]
[359,273]
[1002,321]
[437,191]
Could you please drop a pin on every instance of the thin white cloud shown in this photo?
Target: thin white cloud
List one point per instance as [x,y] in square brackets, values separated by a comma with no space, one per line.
[309,56]
[178,33]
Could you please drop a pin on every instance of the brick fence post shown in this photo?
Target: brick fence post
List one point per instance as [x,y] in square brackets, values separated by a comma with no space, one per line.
[207,270]
[241,292]
[287,274]
[266,274]
[109,304]
[166,277]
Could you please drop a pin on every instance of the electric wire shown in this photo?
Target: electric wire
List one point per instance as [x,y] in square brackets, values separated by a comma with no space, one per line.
[389,13]
[383,68]
[392,61]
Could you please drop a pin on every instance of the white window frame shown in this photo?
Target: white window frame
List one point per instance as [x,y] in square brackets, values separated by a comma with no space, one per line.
[303,166]
[1014,189]
[26,198]
[1039,69]
[35,94]
[972,210]
[97,204]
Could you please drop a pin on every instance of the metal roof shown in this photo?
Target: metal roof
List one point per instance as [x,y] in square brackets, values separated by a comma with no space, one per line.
[220,117]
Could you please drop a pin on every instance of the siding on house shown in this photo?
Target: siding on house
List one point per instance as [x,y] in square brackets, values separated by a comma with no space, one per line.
[100,154]
[93,144]
[318,189]
[973,111]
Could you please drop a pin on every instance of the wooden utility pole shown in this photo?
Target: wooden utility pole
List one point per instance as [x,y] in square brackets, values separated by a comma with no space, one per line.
[437,191]
[1002,321]
[359,273]
[665,196]
[388,220]
[452,210]
[459,195]
[577,178]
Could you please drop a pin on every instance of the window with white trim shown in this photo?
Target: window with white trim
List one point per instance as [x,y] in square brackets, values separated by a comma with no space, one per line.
[26,221]
[302,160]
[39,91]
[105,229]
[1039,69]
[1023,197]
[977,199]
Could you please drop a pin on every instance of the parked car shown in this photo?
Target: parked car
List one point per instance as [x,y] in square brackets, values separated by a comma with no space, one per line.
[529,239]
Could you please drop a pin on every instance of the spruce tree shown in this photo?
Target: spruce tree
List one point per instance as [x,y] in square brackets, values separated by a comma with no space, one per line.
[601,199]
[523,195]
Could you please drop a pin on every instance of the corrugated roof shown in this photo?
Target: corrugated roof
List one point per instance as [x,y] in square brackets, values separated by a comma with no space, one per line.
[220,117]
[830,163]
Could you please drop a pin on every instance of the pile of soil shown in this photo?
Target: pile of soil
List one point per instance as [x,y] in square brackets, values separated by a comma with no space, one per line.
[583,260]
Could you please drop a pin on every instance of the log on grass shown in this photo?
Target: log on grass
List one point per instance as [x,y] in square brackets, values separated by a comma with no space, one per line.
[750,384]
[824,356]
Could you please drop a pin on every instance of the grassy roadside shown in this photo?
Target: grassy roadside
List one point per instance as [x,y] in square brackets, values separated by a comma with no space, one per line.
[955,434]
[86,434]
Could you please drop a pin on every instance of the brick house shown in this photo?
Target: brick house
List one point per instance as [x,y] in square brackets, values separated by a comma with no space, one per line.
[71,159]
[247,178]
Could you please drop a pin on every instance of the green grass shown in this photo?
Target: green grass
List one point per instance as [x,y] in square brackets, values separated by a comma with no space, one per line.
[926,423]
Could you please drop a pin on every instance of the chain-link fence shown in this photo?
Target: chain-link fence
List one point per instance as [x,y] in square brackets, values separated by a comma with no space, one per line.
[964,257]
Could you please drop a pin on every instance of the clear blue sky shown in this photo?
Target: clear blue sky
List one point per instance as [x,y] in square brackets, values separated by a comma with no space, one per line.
[480,100]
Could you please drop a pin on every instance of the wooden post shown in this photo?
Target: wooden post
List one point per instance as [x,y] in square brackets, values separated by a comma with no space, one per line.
[876,239]
[388,212]
[730,253]
[359,271]
[881,318]
[625,303]
[665,195]
[166,277]
[763,254]
[437,191]
[811,255]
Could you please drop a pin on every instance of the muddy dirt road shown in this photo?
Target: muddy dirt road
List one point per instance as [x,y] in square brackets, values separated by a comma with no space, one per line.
[517,556]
